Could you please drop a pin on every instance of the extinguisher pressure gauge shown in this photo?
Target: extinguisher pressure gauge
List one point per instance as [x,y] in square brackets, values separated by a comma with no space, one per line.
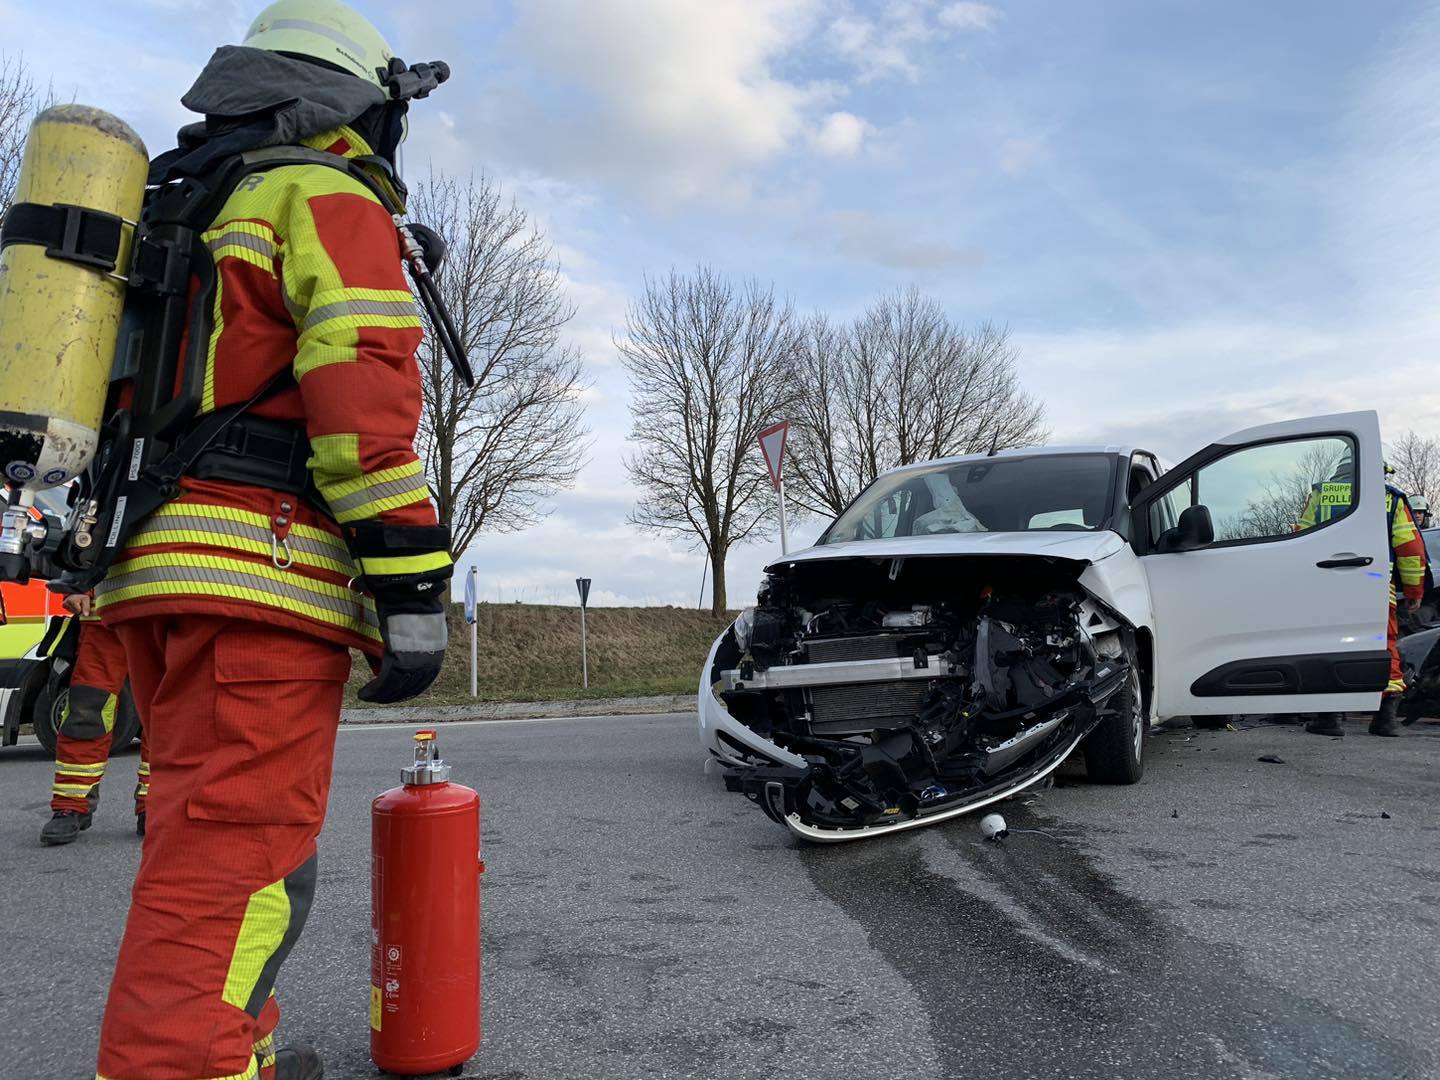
[428,768]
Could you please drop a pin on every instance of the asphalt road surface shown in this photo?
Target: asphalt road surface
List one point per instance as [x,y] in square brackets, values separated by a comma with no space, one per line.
[1224,918]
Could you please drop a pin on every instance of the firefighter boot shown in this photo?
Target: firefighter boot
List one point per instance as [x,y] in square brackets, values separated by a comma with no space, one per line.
[1384,722]
[140,824]
[63,827]
[299,1062]
[1325,724]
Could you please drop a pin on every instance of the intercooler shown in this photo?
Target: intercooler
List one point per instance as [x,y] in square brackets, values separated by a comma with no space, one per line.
[862,707]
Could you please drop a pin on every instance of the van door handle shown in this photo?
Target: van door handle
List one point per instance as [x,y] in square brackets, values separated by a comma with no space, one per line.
[1340,562]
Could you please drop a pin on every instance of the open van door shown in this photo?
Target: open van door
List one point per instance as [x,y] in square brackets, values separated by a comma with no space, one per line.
[1268,564]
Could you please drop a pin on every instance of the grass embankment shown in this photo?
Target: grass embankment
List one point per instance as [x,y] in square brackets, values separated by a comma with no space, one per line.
[531,652]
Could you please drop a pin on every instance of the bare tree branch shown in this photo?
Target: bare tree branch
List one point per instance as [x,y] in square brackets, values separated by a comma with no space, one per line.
[708,362]
[497,451]
[1276,510]
[1417,465]
[901,384]
[18,102]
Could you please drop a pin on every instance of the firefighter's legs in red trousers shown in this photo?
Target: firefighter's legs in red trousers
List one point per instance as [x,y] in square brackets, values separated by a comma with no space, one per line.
[83,739]
[1386,721]
[242,719]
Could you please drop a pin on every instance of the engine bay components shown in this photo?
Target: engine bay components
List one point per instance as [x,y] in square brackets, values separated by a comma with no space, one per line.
[915,692]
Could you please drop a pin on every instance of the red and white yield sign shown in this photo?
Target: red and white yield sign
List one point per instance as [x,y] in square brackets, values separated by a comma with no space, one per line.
[772,445]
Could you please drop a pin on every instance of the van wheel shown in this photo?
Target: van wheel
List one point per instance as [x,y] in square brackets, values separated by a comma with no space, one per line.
[1115,749]
[45,714]
[49,709]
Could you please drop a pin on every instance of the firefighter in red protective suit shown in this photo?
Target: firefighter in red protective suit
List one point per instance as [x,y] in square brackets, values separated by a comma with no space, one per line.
[82,739]
[238,600]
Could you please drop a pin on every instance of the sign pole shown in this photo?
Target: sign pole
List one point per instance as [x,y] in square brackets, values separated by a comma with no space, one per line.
[474,632]
[784,535]
[583,584]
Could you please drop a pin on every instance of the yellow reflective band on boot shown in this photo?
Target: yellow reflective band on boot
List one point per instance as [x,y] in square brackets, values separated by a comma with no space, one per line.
[1395,686]
[71,791]
[267,918]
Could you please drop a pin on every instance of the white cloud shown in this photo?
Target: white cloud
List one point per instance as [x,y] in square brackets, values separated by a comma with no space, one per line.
[888,41]
[840,134]
[680,95]
[877,48]
[968,15]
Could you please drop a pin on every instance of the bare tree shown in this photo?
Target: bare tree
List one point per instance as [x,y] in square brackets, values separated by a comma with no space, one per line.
[901,384]
[18,102]
[1417,465]
[708,363]
[495,452]
[1277,509]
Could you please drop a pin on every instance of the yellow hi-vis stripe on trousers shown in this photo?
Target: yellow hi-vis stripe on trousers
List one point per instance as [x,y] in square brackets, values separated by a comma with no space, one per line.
[250,1073]
[273,918]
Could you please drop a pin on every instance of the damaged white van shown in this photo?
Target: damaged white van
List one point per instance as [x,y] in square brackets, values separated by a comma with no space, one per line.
[969,622]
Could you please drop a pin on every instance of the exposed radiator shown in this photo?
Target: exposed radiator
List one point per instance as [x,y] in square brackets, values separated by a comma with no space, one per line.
[850,710]
[866,647]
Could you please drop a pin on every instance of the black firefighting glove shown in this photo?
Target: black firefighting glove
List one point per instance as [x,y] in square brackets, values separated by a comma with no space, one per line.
[405,568]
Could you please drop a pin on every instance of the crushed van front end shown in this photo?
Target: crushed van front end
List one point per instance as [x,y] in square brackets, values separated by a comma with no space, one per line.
[863,696]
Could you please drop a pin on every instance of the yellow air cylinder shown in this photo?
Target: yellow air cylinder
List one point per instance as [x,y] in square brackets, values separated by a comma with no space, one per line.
[59,320]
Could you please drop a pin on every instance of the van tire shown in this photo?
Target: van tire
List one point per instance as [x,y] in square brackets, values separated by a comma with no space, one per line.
[1115,749]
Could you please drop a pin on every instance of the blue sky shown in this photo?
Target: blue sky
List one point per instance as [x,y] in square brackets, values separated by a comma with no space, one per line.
[1192,216]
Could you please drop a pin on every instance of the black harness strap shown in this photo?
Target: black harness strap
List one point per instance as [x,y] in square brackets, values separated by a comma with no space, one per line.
[73,233]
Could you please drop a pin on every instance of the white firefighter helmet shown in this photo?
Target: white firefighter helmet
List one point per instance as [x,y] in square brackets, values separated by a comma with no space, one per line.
[324,30]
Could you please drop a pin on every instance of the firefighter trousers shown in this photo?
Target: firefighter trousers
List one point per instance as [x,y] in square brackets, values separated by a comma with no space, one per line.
[1392,643]
[82,742]
[242,719]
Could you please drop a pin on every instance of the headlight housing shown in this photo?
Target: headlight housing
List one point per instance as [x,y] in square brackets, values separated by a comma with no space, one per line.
[744,629]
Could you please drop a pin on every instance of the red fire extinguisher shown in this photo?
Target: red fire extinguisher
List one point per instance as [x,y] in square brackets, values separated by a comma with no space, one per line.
[425,920]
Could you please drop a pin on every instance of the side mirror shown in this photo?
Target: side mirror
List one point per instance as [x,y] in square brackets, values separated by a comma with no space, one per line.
[1195,530]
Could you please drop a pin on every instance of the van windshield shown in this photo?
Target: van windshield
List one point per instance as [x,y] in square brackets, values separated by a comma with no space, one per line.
[1002,494]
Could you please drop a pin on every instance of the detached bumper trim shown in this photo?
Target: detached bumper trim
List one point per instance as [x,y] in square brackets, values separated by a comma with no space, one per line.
[819,835]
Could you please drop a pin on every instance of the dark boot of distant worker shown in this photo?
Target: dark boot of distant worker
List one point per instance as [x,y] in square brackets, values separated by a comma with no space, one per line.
[1385,722]
[63,827]
[140,825]
[1325,724]
[298,1062]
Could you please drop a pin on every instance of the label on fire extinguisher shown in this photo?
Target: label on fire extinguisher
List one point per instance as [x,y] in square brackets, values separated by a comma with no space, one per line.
[376,1013]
